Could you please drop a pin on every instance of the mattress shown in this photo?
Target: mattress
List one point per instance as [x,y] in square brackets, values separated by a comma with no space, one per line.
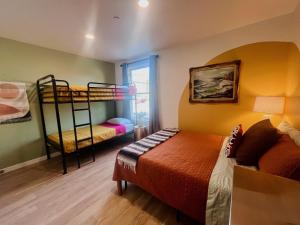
[80,93]
[100,133]
[177,171]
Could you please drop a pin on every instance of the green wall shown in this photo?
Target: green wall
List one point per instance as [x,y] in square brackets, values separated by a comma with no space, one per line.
[21,62]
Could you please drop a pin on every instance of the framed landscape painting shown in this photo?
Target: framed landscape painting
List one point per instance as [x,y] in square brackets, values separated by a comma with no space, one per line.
[215,83]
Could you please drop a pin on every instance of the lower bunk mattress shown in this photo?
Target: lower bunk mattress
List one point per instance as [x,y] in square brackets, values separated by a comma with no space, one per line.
[101,133]
[177,171]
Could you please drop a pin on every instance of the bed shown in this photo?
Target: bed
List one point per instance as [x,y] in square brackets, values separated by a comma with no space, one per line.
[183,166]
[57,91]
[80,93]
[189,172]
[192,172]
[101,132]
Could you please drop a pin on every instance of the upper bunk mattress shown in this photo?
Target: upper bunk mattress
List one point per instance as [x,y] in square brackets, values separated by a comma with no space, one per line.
[178,171]
[80,93]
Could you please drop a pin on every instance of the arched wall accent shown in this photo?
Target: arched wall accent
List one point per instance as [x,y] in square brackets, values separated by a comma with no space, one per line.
[267,69]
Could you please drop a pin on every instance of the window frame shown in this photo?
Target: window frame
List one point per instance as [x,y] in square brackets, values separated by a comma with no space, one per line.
[135,66]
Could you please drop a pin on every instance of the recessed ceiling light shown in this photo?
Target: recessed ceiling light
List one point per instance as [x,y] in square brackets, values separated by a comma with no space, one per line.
[89,36]
[143,3]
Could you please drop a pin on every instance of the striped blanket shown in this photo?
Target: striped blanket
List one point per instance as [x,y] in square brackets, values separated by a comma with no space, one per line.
[129,155]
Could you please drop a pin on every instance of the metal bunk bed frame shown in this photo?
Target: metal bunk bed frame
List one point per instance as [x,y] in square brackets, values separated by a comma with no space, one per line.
[50,81]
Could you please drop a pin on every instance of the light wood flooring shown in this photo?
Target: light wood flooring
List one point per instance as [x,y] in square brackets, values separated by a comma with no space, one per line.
[40,194]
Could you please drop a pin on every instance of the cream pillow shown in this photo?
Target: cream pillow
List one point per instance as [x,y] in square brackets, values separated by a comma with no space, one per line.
[284,127]
[287,128]
[119,120]
[295,135]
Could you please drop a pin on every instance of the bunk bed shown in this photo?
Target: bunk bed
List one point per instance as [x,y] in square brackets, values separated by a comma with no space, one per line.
[83,135]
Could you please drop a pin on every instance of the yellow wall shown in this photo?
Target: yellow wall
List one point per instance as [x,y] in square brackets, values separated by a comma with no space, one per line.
[293,88]
[267,69]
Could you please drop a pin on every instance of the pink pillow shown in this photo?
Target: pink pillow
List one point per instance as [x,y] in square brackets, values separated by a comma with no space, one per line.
[234,141]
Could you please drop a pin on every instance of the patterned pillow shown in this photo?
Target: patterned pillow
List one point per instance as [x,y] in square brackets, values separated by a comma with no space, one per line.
[234,141]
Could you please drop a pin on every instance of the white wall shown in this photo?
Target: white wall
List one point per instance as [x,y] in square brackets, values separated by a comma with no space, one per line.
[297,26]
[174,63]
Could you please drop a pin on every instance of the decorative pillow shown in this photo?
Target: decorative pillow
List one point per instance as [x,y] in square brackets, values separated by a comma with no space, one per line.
[255,142]
[234,141]
[287,128]
[119,121]
[283,159]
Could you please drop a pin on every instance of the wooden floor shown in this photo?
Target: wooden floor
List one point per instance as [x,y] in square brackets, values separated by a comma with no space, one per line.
[40,194]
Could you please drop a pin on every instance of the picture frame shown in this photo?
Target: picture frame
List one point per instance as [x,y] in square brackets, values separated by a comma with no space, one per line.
[216,83]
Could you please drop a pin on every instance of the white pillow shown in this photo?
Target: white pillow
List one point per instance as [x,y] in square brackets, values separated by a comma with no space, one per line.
[119,121]
[284,127]
[287,128]
[295,135]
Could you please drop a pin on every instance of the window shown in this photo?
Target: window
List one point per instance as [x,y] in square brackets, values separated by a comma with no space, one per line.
[139,76]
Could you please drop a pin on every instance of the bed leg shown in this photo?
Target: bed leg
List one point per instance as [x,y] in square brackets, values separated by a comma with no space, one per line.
[64,162]
[48,152]
[125,185]
[119,186]
[93,154]
[177,215]
[78,159]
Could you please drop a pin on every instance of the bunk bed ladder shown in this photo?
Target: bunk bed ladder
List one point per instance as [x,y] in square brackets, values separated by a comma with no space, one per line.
[77,141]
[90,120]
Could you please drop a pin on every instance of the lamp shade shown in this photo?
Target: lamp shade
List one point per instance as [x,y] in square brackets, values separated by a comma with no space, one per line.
[271,105]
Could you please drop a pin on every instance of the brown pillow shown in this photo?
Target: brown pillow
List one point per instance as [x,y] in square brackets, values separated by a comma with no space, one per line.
[234,141]
[255,142]
[283,159]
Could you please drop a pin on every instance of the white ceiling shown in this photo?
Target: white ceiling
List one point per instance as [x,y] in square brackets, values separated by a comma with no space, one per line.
[62,24]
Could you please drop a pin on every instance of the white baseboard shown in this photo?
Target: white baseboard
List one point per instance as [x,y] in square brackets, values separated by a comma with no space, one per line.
[27,163]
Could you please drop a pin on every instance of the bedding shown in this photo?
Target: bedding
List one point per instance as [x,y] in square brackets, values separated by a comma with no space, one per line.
[120,129]
[283,159]
[78,99]
[80,93]
[129,127]
[287,128]
[126,123]
[128,156]
[178,171]
[255,142]
[119,120]
[219,189]
[100,133]
[234,141]
[284,127]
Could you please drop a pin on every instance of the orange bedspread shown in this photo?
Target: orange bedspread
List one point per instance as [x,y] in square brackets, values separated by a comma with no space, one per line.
[178,171]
